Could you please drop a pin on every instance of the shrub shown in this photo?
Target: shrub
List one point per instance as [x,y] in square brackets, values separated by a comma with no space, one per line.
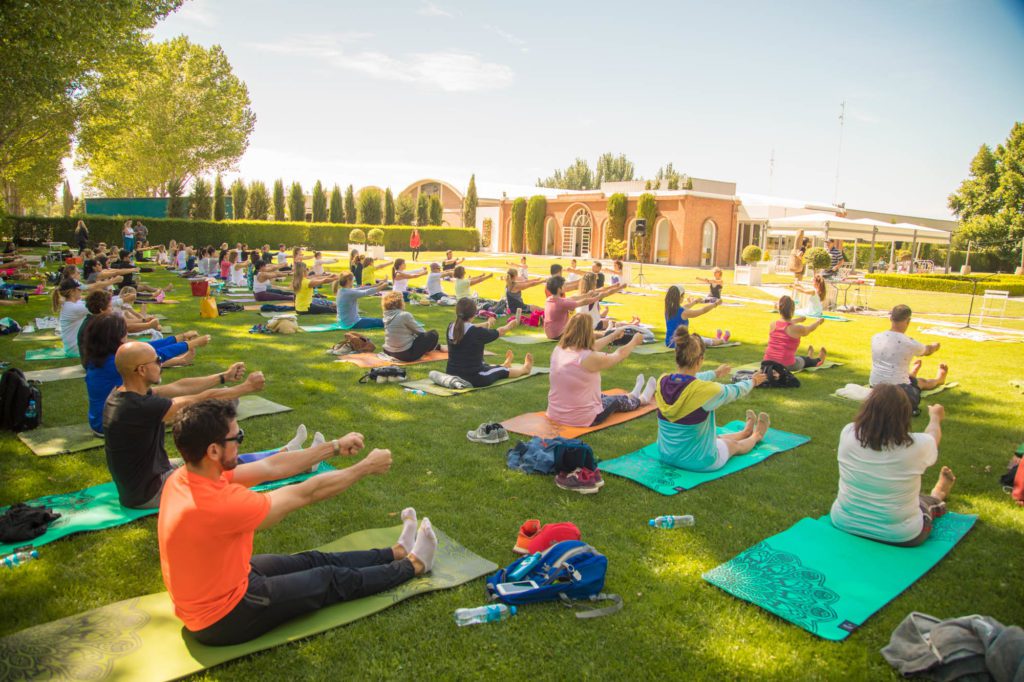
[751,254]
[239,195]
[357,236]
[518,225]
[369,209]
[258,206]
[436,210]
[953,284]
[219,204]
[389,208]
[615,248]
[325,236]
[647,208]
[818,258]
[296,203]
[536,209]
[422,209]
[278,200]
[319,203]
[375,236]
[177,205]
[336,213]
[350,206]
[616,219]
[405,210]
[201,204]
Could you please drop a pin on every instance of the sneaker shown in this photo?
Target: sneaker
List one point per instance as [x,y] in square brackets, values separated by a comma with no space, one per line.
[448,380]
[341,349]
[551,534]
[598,479]
[527,532]
[581,481]
[488,433]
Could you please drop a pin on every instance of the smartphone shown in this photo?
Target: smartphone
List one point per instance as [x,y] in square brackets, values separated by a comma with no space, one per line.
[505,589]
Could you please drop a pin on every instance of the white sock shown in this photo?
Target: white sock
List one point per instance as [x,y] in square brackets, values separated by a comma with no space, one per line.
[318,439]
[426,544]
[300,438]
[648,393]
[408,536]
[638,386]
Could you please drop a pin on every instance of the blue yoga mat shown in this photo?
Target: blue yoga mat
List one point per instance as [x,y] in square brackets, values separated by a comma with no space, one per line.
[829,582]
[644,467]
[49,354]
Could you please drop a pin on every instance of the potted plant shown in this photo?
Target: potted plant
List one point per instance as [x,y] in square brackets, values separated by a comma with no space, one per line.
[356,241]
[375,239]
[751,272]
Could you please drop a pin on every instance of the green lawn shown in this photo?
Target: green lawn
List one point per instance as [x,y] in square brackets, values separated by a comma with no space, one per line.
[673,625]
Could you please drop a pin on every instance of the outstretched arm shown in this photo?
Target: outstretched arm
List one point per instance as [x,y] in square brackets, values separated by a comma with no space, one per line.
[598,362]
[285,464]
[480,278]
[690,313]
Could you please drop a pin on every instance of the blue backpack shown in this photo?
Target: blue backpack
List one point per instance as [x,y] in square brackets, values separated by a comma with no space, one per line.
[567,571]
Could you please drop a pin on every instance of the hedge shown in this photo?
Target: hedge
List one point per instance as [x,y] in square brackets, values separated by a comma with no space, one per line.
[953,284]
[517,225]
[329,236]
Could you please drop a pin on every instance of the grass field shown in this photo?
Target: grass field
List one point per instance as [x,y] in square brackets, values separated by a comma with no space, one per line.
[674,625]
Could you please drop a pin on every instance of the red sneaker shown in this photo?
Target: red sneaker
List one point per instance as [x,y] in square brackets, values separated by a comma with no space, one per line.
[526,531]
[553,533]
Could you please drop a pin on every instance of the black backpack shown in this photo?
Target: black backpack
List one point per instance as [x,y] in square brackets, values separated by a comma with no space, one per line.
[21,401]
[778,376]
[225,307]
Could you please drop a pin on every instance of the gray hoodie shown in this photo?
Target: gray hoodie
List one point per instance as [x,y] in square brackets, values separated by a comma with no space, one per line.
[400,330]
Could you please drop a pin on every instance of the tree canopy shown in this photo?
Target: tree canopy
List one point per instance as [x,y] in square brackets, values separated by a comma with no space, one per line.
[577,176]
[178,112]
[990,202]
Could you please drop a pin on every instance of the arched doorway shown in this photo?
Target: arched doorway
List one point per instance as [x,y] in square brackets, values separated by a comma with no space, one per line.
[550,234]
[662,240]
[576,239]
[708,242]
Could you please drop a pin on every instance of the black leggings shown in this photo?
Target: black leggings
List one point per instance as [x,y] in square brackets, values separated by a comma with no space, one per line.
[423,344]
[320,306]
[283,586]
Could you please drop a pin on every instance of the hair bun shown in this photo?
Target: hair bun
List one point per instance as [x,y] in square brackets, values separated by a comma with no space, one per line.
[681,336]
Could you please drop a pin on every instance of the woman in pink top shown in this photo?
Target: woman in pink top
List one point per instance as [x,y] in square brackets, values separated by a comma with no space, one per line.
[558,306]
[784,339]
[575,397]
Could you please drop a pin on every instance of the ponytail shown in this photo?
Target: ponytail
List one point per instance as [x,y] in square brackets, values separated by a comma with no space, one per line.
[673,298]
[465,310]
[297,275]
[395,267]
[689,348]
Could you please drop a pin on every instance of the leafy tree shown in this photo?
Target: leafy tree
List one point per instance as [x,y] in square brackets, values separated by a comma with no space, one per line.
[577,176]
[369,207]
[611,168]
[350,206]
[436,210]
[670,175]
[470,203]
[389,207]
[296,204]
[422,209]
[218,198]
[278,200]
[319,203]
[200,203]
[258,206]
[67,199]
[518,224]
[536,210]
[990,202]
[177,205]
[50,56]
[405,210]
[647,208]
[178,113]
[616,216]
[239,195]
[337,212]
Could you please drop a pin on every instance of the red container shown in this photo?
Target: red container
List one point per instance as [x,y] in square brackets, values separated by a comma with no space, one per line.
[201,288]
[76,260]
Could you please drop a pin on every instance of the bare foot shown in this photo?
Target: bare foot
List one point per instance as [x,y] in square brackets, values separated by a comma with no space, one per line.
[940,378]
[763,422]
[944,484]
[915,367]
[528,363]
[508,359]
[810,351]
[748,428]
[822,353]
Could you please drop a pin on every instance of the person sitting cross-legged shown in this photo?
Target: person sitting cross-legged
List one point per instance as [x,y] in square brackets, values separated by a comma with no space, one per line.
[892,358]
[347,300]
[687,400]
[208,515]
[405,339]
[466,343]
[880,468]
[784,337]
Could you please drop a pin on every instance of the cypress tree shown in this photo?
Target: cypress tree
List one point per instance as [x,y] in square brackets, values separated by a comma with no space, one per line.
[239,195]
[219,204]
[337,212]
[469,204]
[422,209]
[279,200]
[296,204]
[350,206]
[389,207]
[436,210]
[319,203]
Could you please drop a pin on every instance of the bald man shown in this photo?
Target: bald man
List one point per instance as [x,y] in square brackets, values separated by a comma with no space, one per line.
[135,415]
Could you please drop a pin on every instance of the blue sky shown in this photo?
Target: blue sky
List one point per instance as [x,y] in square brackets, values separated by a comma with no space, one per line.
[387,92]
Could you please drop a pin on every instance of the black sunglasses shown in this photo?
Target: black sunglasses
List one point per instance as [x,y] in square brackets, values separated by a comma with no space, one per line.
[238,437]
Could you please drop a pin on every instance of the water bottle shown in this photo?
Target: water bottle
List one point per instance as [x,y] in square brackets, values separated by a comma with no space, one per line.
[19,558]
[416,391]
[668,522]
[32,411]
[525,567]
[483,614]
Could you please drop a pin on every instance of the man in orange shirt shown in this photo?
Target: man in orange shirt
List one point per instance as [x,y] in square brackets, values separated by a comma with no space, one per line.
[208,516]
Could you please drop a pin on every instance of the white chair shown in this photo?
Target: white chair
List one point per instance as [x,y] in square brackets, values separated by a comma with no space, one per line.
[993,303]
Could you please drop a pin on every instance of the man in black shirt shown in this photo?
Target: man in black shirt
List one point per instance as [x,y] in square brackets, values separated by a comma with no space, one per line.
[596,269]
[135,415]
[450,261]
[128,270]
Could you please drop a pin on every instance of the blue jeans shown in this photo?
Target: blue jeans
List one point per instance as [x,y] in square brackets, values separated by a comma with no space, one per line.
[368,323]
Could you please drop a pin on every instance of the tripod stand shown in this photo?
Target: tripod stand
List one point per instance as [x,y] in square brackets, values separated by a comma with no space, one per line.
[974,292]
[641,281]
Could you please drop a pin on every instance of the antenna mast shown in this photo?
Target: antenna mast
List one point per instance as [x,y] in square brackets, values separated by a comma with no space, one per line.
[839,154]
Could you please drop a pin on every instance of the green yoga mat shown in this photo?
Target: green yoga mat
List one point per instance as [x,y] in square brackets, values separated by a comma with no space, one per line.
[332,327]
[826,316]
[829,582]
[924,394]
[97,508]
[644,467]
[526,339]
[49,354]
[428,386]
[61,440]
[141,639]
[56,374]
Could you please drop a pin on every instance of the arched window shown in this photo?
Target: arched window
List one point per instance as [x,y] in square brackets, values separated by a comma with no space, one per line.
[708,243]
[663,238]
[550,234]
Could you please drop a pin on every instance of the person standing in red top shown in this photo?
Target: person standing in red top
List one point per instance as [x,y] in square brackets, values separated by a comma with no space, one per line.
[414,243]
[208,515]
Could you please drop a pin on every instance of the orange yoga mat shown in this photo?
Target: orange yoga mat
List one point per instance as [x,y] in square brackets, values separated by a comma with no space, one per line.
[537,423]
[370,360]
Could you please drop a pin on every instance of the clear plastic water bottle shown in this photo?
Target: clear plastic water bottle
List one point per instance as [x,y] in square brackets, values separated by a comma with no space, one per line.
[416,391]
[525,567]
[33,410]
[483,614]
[19,558]
[669,521]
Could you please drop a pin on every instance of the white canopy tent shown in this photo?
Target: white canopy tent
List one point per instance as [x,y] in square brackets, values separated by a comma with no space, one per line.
[827,226]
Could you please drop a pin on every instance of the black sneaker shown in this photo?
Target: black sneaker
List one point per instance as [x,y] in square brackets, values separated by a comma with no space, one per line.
[488,433]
